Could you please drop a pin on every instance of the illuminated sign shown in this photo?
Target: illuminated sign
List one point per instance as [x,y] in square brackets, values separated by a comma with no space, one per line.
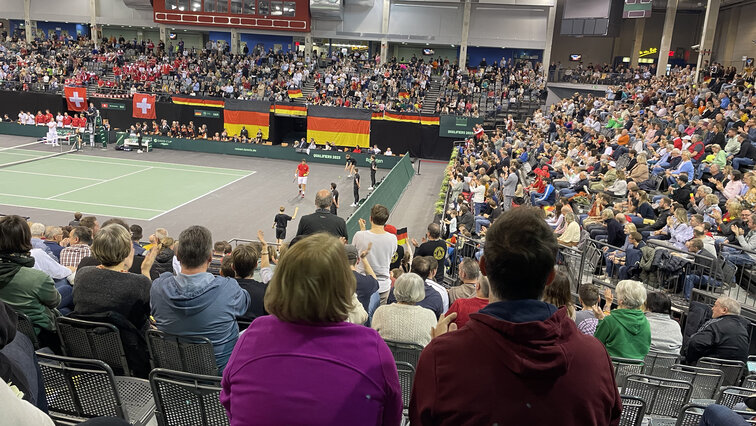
[647,52]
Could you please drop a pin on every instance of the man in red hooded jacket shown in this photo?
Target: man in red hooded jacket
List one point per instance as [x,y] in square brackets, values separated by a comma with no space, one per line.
[519,360]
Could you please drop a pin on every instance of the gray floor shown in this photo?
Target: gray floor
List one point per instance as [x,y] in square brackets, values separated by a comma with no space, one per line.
[240,209]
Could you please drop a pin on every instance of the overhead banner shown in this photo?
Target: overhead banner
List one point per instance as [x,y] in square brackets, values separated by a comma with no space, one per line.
[454,126]
[254,115]
[339,126]
[76,98]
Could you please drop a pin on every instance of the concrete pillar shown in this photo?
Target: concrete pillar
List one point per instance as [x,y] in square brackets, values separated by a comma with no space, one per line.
[730,34]
[549,39]
[28,30]
[465,37]
[163,33]
[308,46]
[640,25]
[666,40]
[707,35]
[96,32]
[235,41]
[385,30]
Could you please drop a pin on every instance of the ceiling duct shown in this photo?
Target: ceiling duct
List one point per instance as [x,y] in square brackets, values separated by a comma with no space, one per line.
[328,10]
[139,4]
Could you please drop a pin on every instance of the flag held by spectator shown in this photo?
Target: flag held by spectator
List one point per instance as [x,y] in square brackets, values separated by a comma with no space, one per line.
[76,98]
[401,236]
[404,94]
[295,93]
[254,115]
[143,106]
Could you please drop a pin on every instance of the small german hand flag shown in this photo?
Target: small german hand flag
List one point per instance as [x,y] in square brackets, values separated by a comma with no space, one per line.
[295,93]
[401,236]
[404,94]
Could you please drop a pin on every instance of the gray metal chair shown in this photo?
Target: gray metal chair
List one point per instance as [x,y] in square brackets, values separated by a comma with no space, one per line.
[732,395]
[733,370]
[187,399]
[706,381]
[750,381]
[624,367]
[181,353]
[78,389]
[657,364]
[691,415]
[633,409]
[664,397]
[93,340]
[405,352]
[26,327]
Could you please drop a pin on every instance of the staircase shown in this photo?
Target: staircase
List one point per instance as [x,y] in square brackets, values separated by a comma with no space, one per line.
[429,103]
[307,89]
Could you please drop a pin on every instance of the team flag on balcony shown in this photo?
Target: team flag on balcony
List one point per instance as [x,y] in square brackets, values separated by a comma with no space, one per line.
[290,110]
[295,93]
[404,94]
[143,106]
[76,98]
[254,115]
[340,126]
[401,236]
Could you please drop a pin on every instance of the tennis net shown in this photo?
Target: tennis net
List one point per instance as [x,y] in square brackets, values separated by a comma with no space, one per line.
[16,155]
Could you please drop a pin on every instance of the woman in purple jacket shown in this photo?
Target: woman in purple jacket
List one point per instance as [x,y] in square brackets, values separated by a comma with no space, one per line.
[304,364]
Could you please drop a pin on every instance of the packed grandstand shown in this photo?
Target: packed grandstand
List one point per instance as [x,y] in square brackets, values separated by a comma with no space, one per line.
[590,263]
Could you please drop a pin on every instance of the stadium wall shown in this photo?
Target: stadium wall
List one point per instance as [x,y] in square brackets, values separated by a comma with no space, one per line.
[387,193]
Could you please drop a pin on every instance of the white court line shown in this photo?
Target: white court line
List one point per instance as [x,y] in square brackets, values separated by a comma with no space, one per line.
[143,163]
[203,195]
[98,183]
[75,202]
[47,174]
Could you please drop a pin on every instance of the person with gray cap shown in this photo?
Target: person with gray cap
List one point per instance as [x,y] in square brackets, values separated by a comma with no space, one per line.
[367,283]
[606,179]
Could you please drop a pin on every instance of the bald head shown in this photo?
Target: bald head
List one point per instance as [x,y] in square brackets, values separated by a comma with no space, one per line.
[323,199]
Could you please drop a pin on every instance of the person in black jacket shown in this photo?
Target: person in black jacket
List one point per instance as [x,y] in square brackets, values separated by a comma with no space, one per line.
[322,219]
[665,210]
[681,195]
[244,261]
[747,154]
[725,336]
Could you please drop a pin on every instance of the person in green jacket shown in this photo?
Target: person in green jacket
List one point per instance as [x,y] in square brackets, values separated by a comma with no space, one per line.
[26,289]
[625,332]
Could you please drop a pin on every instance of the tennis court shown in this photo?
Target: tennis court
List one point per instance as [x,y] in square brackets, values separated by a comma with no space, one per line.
[101,186]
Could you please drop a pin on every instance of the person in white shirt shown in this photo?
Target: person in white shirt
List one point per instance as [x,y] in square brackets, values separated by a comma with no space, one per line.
[381,245]
[52,133]
[388,151]
[436,286]
[21,117]
[59,120]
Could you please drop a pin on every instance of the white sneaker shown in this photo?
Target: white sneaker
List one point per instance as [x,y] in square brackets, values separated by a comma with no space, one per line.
[139,151]
[353,205]
[370,189]
[302,194]
[349,176]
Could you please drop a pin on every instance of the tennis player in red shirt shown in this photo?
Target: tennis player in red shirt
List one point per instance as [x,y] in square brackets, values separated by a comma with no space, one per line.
[303,170]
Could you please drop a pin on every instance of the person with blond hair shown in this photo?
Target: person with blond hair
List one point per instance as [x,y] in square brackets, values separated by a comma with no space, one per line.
[298,363]
[625,332]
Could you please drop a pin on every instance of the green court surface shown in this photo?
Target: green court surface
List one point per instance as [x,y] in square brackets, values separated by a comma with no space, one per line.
[104,186]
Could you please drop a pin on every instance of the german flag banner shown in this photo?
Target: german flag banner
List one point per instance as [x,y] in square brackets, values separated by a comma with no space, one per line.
[404,94]
[295,93]
[254,115]
[197,101]
[291,110]
[340,126]
[401,236]
[429,120]
[405,117]
[377,115]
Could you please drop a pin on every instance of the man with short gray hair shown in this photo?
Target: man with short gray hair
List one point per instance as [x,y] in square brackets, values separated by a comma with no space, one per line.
[469,271]
[37,239]
[322,219]
[53,237]
[724,336]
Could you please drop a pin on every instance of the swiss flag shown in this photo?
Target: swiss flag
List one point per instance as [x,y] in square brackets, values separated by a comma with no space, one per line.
[144,106]
[76,98]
